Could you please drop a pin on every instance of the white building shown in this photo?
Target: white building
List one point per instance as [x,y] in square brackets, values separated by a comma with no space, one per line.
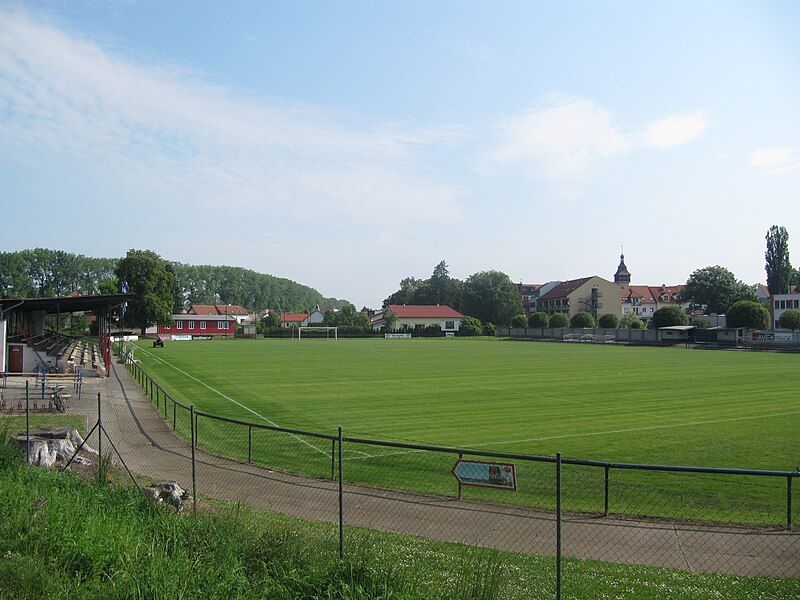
[783,302]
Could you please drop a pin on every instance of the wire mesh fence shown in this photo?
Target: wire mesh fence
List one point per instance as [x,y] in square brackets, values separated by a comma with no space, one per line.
[552,526]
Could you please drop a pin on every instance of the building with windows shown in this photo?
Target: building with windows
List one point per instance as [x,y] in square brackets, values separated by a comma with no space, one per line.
[240,313]
[783,302]
[410,316]
[199,325]
[594,295]
[531,292]
[644,300]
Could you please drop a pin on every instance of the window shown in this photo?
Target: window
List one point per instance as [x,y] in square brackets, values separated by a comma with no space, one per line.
[179,325]
[191,324]
[202,324]
[222,324]
[776,303]
[449,324]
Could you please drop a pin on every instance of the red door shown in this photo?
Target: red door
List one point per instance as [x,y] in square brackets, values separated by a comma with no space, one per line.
[15,358]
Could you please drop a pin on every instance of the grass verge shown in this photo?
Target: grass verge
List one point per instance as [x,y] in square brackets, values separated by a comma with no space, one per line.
[62,536]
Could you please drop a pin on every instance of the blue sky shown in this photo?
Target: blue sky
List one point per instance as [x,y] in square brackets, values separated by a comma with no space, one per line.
[347,147]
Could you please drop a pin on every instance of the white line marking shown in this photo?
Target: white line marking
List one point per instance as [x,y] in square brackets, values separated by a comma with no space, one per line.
[247,408]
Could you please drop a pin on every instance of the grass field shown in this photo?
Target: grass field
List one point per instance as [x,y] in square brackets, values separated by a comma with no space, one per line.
[626,404]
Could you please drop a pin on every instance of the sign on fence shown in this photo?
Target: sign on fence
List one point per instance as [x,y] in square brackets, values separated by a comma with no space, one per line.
[181,337]
[396,336]
[768,336]
[486,474]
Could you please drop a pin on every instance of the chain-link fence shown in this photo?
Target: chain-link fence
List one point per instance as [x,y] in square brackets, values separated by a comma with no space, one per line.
[552,526]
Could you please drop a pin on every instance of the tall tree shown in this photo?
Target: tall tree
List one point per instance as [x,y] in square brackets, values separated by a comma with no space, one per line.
[716,288]
[779,269]
[149,278]
[492,296]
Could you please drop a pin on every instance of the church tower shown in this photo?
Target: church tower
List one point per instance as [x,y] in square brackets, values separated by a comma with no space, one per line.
[622,276]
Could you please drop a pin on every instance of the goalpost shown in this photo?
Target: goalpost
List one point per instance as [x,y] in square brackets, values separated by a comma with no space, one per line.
[327,331]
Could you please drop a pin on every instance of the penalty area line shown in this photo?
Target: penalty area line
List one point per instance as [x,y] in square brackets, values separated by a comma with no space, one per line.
[229,399]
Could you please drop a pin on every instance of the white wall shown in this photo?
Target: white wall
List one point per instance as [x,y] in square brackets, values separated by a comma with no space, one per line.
[3,366]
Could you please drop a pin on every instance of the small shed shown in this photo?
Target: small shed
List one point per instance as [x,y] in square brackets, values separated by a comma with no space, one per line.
[719,335]
[677,333]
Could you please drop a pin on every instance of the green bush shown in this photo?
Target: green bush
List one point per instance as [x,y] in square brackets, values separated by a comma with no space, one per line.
[631,321]
[558,320]
[582,319]
[539,319]
[747,314]
[519,321]
[790,319]
[608,321]
[488,328]
[669,316]
[470,326]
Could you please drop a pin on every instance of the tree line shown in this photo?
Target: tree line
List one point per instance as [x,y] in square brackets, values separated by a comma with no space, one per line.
[41,272]
[488,296]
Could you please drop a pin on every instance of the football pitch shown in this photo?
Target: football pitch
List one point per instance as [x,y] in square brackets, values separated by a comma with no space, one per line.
[617,403]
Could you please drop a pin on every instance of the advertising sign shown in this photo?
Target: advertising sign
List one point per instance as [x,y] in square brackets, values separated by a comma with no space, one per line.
[486,474]
[770,336]
[202,337]
[181,337]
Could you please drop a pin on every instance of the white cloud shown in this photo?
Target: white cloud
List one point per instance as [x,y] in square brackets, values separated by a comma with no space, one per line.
[675,130]
[191,140]
[563,138]
[775,161]
[560,137]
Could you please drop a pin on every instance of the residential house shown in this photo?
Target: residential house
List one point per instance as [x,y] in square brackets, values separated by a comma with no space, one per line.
[531,292]
[783,302]
[644,300]
[239,313]
[594,295]
[410,316]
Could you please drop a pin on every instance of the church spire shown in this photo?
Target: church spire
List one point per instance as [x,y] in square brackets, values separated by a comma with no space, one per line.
[622,276]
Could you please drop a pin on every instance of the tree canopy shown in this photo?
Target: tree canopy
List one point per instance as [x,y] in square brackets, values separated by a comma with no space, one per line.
[716,288]
[747,314]
[582,319]
[779,270]
[519,321]
[608,321]
[790,319]
[559,320]
[668,316]
[539,319]
[148,277]
[631,321]
[43,272]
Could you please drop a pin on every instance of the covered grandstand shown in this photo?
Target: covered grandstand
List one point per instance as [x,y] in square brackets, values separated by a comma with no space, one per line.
[31,335]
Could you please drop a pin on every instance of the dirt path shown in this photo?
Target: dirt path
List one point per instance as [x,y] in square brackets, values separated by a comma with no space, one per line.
[150,448]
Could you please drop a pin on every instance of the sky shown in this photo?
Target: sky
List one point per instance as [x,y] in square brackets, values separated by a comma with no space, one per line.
[349,145]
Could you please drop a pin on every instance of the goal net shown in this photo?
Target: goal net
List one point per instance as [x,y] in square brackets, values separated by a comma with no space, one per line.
[318,332]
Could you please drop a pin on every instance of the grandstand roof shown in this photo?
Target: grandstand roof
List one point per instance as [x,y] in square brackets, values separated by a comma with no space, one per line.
[65,304]
[425,311]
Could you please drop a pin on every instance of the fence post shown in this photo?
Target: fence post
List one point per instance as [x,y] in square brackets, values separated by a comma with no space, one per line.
[99,439]
[460,456]
[605,504]
[174,414]
[27,426]
[194,479]
[558,525]
[789,503]
[249,443]
[341,501]
[333,459]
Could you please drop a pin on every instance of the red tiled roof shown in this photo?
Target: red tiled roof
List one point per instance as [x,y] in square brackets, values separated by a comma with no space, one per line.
[529,288]
[218,309]
[293,317]
[649,293]
[565,288]
[424,311]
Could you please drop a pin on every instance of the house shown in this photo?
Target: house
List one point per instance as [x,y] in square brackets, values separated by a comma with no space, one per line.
[410,316]
[762,294]
[783,302]
[199,325]
[317,315]
[531,292]
[294,319]
[594,295]
[644,300]
[240,313]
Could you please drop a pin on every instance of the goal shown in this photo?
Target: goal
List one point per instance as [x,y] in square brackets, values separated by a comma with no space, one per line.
[315,331]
